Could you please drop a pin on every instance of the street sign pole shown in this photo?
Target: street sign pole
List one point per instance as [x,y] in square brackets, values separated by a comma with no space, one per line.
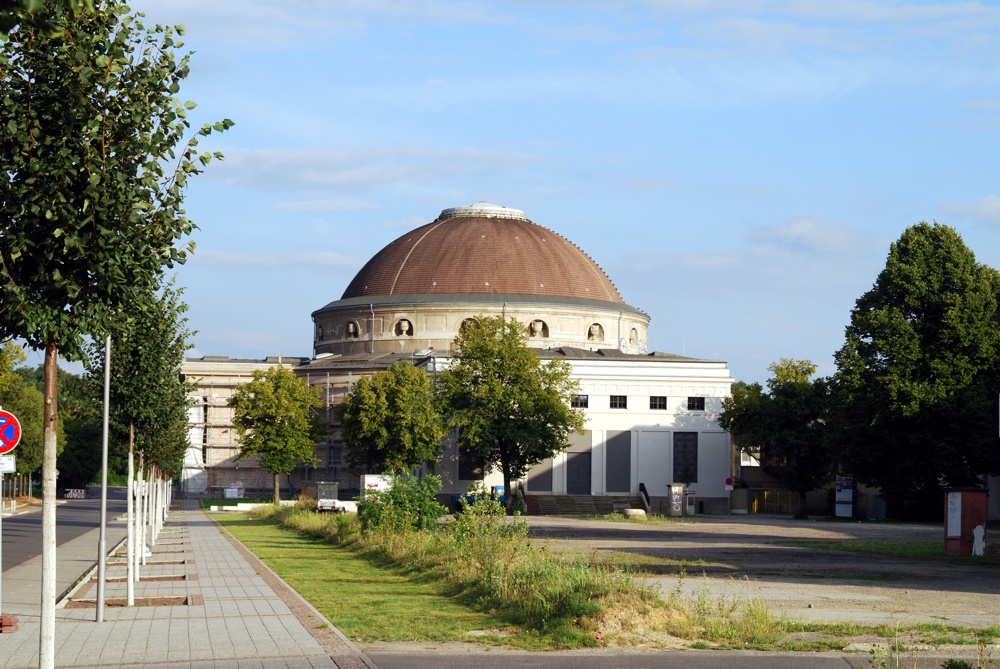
[102,546]
[10,434]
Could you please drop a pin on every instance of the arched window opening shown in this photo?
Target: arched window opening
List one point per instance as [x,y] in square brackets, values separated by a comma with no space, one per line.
[596,332]
[633,337]
[404,328]
[351,331]
[538,328]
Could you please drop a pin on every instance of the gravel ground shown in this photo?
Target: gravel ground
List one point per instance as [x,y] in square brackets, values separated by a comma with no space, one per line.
[737,557]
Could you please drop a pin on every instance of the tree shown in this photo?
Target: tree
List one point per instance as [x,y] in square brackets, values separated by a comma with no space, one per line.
[148,400]
[273,419]
[32,12]
[91,200]
[785,426]
[917,377]
[509,408]
[390,420]
[22,398]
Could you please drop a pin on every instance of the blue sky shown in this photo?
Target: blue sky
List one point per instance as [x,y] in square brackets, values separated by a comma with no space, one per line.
[738,168]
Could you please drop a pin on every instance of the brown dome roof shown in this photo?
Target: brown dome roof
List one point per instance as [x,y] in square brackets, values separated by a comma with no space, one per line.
[483,249]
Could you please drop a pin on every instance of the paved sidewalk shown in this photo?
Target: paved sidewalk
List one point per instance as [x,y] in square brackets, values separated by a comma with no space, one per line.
[226,609]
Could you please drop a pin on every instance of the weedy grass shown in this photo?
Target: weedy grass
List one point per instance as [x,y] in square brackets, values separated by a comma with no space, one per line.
[910,550]
[479,571]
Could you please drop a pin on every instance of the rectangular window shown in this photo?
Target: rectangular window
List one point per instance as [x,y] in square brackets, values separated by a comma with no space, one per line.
[619,401]
[685,457]
[696,404]
[659,403]
[580,402]
[470,466]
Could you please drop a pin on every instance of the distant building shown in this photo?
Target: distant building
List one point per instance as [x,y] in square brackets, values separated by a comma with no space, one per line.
[649,415]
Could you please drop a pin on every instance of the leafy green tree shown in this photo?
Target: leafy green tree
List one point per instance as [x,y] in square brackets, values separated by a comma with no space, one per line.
[148,400]
[80,420]
[33,13]
[91,203]
[390,421]
[509,408]
[917,378]
[22,398]
[274,421]
[785,426]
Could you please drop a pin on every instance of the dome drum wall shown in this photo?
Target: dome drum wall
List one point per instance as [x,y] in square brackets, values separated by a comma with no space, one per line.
[397,328]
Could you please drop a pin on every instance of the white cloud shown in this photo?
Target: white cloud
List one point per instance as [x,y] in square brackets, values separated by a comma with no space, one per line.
[986,211]
[363,169]
[812,236]
[326,204]
[271,261]
[306,23]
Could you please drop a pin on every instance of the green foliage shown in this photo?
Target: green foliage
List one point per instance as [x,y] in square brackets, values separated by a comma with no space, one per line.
[919,373]
[148,399]
[32,12]
[786,424]
[80,419]
[390,421]
[410,503]
[22,398]
[91,204]
[509,408]
[274,421]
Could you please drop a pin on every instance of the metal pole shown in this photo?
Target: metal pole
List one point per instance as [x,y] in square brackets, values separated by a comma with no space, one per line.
[1,541]
[102,545]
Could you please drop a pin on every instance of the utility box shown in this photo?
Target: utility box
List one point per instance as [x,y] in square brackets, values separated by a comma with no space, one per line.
[675,493]
[965,521]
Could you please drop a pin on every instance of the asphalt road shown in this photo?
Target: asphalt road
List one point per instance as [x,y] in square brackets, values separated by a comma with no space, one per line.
[22,534]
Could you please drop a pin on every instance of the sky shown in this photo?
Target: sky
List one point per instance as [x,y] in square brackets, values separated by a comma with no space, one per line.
[738,168]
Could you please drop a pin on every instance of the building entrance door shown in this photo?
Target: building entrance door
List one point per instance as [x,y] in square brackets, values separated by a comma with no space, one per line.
[578,473]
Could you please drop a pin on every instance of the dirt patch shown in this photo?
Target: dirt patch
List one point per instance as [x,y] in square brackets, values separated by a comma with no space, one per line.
[179,600]
[739,559]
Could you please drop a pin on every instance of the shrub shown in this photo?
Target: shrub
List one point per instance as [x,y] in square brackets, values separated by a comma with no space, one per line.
[410,503]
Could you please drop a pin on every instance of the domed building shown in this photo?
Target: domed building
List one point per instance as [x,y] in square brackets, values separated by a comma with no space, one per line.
[482,259]
[651,418]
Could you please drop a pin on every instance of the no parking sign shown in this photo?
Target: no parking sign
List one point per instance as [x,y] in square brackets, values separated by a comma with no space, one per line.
[10,431]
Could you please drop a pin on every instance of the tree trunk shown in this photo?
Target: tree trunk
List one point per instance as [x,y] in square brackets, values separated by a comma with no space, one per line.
[47,633]
[505,468]
[277,489]
[803,511]
[130,553]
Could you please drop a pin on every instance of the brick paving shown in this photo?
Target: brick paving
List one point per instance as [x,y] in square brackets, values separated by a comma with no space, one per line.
[239,614]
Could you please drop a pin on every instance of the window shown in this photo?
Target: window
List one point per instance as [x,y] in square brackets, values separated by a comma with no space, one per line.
[470,466]
[696,404]
[351,330]
[580,402]
[633,337]
[596,332]
[538,328]
[404,328]
[750,459]
[619,402]
[659,403]
[686,457]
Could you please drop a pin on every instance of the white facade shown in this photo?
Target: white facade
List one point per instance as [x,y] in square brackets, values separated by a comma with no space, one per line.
[646,438]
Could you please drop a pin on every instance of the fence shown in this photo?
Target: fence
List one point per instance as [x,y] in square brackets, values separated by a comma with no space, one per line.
[772,501]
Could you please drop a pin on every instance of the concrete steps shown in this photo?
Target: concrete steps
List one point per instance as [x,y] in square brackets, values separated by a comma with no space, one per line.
[579,505]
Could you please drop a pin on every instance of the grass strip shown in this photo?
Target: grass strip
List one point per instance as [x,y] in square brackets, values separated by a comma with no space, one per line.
[366,602]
